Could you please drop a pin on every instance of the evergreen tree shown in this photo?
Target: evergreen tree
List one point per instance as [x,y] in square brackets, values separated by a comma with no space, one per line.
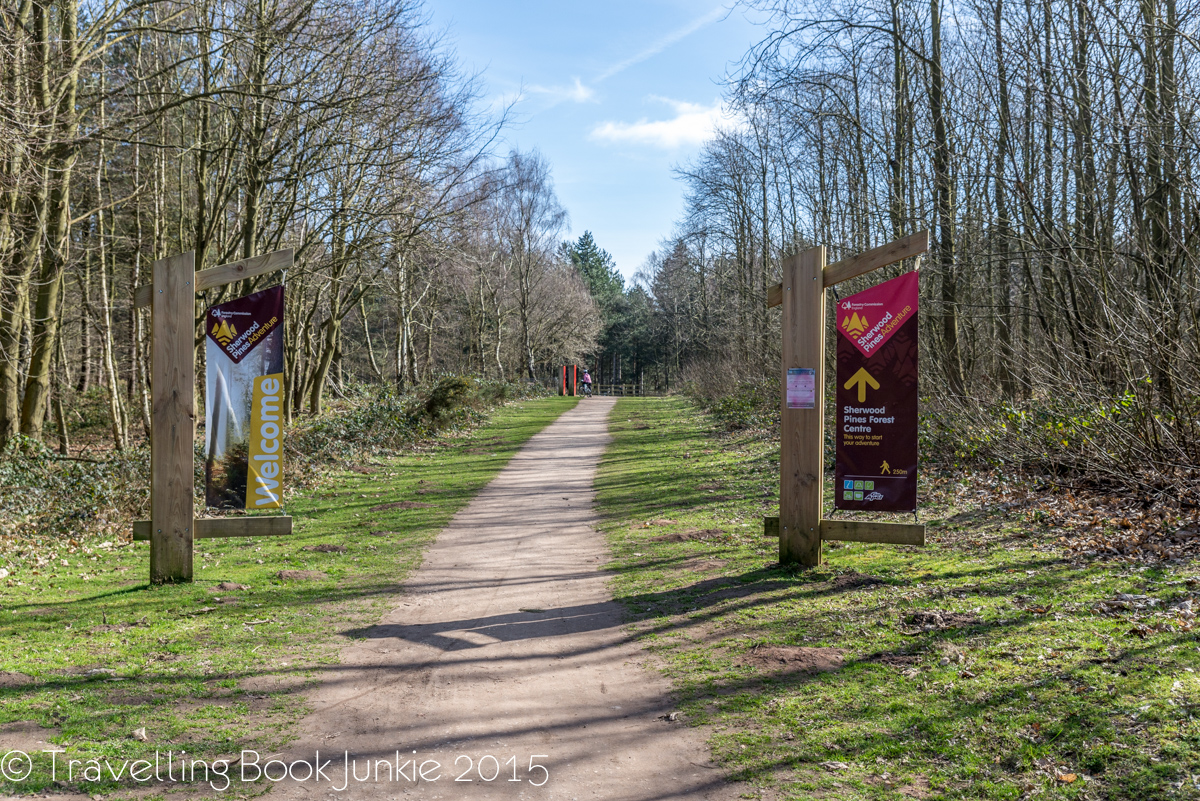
[597,268]
[607,286]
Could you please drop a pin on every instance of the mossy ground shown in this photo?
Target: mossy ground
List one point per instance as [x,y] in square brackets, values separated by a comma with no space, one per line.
[90,653]
[1026,690]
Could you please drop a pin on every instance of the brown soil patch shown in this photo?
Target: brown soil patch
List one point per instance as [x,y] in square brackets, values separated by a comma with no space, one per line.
[936,620]
[690,535]
[10,679]
[24,735]
[893,659]
[661,521]
[362,468]
[300,575]
[701,565]
[715,485]
[258,689]
[852,580]
[383,533]
[794,659]
[228,586]
[401,505]
[917,788]
[325,547]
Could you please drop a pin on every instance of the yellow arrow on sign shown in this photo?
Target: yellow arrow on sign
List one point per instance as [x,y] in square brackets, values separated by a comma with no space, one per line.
[862,378]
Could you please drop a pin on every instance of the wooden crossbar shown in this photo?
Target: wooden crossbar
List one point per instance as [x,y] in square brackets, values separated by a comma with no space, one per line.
[226,274]
[208,528]
[844,270]
[873,531]
[859,531]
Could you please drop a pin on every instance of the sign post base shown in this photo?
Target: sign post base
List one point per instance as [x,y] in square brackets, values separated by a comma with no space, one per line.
[860,531]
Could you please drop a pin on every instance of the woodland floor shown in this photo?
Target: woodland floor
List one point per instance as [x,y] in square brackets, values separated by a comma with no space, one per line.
[1037,646]
[1011,657]
[96,661]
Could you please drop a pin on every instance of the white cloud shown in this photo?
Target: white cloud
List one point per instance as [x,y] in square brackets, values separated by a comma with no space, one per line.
[665,42]
[577,93]
[692,124]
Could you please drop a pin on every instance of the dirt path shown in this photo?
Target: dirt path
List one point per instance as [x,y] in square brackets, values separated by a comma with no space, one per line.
[507,643]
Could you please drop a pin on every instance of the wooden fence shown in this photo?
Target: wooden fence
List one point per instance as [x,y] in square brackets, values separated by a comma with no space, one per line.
[624,390]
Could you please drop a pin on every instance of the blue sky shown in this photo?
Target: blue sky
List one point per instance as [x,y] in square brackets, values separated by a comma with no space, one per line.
[613,94]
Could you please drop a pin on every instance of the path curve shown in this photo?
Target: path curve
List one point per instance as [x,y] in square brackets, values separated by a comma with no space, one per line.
[467,665]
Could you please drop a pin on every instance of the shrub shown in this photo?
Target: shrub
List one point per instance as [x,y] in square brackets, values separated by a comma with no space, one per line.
[45,494]
[449,395]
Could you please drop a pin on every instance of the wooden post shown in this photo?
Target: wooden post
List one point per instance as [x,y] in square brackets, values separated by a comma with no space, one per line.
[173,417]
[801,457]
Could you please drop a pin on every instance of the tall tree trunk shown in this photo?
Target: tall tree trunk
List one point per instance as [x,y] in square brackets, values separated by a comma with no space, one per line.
[50,281]
[944,203]
[900,127]
[1003,224]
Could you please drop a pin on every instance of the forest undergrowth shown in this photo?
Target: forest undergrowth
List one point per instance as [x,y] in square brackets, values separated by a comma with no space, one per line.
[49,501]
[1002,660]
[1088,467]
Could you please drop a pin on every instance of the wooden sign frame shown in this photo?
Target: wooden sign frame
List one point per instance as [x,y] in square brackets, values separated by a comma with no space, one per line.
[172,526]
[800,526]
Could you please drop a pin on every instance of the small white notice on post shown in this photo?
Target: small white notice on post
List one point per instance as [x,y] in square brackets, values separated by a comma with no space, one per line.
[802,388]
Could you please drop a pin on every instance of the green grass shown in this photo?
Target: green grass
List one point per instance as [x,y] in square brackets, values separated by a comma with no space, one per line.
[90,653]
[1047,689]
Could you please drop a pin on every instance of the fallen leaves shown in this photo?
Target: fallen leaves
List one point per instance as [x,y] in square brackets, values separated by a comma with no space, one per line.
[936,620]
[1148,615]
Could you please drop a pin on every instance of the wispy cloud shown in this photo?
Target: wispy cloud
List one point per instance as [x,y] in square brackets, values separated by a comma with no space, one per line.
[665,42]
[577,92]
[692,124]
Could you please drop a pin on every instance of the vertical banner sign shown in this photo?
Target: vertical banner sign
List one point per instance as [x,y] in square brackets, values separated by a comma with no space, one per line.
[243,432]
[877,398]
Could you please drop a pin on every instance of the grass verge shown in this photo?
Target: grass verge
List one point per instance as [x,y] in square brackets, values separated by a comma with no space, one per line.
[97,663]
[990,664]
